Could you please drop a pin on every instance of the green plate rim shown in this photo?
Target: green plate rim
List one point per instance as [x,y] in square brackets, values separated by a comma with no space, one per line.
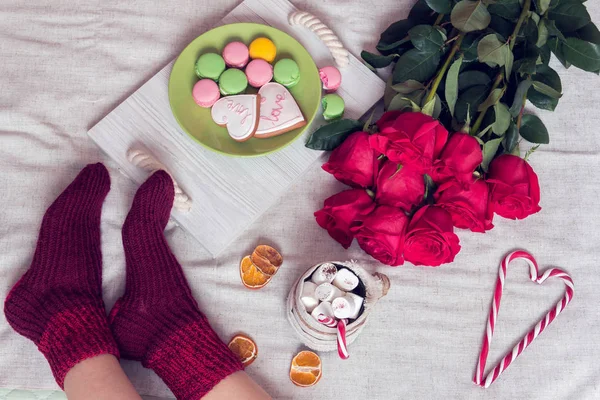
[308,121]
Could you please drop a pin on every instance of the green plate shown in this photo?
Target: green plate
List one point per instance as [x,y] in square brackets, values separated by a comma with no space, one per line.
[197,122]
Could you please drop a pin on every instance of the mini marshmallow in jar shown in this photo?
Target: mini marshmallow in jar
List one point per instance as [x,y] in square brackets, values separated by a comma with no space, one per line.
[345,280]
[308,298]
[327,292]
[325,273]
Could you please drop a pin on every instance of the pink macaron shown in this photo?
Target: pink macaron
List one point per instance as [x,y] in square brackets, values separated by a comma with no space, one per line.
[206,93]
[236,55]
[259,72]
[331,78]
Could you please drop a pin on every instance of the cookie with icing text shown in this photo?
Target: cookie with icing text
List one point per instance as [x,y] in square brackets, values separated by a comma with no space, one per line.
[239,114]
[279,112]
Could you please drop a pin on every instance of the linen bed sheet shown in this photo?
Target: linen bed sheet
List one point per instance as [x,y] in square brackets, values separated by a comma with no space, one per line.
[66,64]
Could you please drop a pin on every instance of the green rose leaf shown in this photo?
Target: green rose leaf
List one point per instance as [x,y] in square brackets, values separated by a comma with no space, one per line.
[416,65]
[533,130]
[547,90]
[394,36]
[469,101]
[451,90]
[489,151]
[493,98]
[388,93]
[511,138]
[440,6]
[542,34]
[508,9]
[377,61]
[556,46]
[517,104]
[569,15]
[330,136]
[407,101]
[468,47]
[588,33]
[503,119]
[426,38]
[395,47]
[542,6]
[469,15]
[552,29]
[503,27]
[469,79]
[408,86]
[495,53]
[582,54]
[421,13]
[549,77]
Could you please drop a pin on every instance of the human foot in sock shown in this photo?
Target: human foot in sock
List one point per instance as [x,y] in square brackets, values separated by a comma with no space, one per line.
[157,321]
[58,301]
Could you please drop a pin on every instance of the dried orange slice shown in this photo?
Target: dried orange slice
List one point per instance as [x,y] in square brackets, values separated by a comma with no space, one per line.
[305,369]
[251,276]
[267,259]
[245,348]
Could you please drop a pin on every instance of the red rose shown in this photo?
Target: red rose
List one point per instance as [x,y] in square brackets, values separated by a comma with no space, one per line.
[514,187]
[430,239]
[381,234]
[402,188]
[354,162]
[409,138]
[466,203]
[342,210]
[459,159]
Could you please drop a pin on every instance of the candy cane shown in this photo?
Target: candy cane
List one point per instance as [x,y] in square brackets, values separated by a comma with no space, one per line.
[145,160]
[341,339]
[539,327]
[327,321]
[330,39]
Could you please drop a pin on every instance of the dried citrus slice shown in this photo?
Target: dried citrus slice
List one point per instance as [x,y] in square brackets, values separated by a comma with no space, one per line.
[267,259]
[245,348]
[251,276]
[305,369]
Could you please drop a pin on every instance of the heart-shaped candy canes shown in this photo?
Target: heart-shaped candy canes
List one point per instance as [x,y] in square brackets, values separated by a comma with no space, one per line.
[539,327]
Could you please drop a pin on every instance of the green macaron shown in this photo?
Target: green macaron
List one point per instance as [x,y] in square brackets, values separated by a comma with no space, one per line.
[333,106]
[286,72]
[210,65]
[232,81]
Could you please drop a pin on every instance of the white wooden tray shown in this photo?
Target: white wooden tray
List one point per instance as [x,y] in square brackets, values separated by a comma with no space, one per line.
[228,193]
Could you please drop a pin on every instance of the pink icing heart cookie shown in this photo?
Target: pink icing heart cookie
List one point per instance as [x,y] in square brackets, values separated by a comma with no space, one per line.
[239,114]
[279,112]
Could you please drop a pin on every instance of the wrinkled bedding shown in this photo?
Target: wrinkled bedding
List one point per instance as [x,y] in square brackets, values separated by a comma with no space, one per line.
[66,64]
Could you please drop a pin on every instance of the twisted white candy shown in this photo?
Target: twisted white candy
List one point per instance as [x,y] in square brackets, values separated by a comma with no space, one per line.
[330,39]
[144,160]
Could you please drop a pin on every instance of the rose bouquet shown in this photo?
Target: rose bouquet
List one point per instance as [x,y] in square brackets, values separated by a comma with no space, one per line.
[446,154]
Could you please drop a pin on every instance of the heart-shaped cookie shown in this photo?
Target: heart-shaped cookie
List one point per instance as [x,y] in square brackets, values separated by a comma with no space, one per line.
[539,327]
[279,112]
[239,114]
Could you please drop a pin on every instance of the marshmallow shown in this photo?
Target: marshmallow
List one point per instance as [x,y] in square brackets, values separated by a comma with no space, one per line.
[345,280]
[342,308]
[323,308]
[356,302]
[308,297]
[327,292]
[325,273]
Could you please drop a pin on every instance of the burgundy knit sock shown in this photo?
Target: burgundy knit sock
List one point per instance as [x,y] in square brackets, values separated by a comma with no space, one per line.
[58,302]
[157,321]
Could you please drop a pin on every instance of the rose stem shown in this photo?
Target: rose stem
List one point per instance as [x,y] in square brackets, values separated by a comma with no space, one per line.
[442,72]
[500,76]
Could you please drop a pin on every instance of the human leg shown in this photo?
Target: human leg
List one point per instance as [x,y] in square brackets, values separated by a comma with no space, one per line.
[157,321]
[99,378]
[58,303]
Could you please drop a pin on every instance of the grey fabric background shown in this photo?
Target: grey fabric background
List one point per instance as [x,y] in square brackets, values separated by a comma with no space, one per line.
[65,64]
